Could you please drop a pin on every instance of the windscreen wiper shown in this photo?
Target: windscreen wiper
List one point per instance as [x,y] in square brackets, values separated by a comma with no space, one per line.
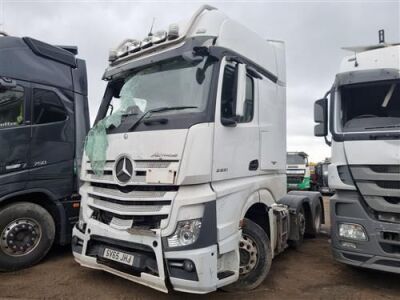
[156,110]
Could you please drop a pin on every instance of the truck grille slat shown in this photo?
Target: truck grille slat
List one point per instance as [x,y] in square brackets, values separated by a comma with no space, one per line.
[380,187]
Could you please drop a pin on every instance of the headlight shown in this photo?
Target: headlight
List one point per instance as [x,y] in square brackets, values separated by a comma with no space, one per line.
[186,233]
[352,232]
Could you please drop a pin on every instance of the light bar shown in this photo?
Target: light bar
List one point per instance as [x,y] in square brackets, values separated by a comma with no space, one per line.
[130,45]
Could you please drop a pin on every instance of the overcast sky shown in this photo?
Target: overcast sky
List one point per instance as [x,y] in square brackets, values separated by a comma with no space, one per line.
[314,32]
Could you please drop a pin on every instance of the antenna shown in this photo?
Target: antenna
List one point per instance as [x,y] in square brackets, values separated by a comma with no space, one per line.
[151,28]
[355,59]
[381,36]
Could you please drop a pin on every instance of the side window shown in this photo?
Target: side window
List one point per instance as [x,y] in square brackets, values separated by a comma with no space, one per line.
[228,92]
[228,95]
[12,104]
[47,107]
[249,102]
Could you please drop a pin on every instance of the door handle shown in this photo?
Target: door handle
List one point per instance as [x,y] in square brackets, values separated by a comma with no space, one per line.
[253,165]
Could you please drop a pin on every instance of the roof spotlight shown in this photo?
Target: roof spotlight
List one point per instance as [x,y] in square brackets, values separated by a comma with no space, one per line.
[147,42]
[159,37]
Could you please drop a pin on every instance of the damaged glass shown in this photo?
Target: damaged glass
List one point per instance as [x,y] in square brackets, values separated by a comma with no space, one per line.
[169,88]
[373,106]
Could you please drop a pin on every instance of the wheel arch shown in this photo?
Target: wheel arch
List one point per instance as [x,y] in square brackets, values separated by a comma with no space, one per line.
[44,199]
[257,209]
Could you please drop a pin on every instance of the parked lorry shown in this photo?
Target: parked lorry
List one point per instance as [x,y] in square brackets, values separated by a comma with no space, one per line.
[321,177]
[185,168]
[43,122]
[298,171]
[364,122]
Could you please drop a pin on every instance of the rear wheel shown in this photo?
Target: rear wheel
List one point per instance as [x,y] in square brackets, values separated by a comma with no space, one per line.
[27,232]
[255,257]
[314,225]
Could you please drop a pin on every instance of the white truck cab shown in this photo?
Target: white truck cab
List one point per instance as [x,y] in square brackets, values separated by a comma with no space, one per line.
[364,121]
[184,171]
[298,171]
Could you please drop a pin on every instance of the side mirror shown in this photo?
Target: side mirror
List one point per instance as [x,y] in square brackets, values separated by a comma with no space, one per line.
[240,89]
[321,117]
[7,83]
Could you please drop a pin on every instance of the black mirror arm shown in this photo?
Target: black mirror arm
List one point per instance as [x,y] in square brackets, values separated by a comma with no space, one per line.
[329,143]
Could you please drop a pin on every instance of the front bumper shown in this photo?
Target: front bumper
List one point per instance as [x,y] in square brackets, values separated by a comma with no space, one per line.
[380,252]
[150,247]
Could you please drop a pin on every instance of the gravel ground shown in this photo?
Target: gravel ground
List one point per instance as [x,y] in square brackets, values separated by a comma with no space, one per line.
[309,273]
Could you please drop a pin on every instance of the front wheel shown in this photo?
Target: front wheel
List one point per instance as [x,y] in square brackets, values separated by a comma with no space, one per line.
[27,233]
[255,258]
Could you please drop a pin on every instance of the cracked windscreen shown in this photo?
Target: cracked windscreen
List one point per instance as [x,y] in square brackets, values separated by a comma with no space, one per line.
[170,87]
[373,106]
[173,83]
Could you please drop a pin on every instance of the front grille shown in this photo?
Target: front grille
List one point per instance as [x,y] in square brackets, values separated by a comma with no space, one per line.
[380,187]
[295,179]
[140,222]
[144,205]
[385,168]
[389,184]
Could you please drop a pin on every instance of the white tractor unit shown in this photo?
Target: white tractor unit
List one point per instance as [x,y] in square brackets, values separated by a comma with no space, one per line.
[364,122]
[185,168]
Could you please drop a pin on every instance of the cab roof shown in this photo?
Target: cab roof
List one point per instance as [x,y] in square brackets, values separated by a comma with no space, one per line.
[31,60]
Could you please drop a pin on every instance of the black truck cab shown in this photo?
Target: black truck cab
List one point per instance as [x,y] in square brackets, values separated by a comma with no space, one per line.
[44,119]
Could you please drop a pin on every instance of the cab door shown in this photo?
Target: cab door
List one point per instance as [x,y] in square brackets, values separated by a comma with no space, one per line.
[14,134]
[52,138]
[236,138]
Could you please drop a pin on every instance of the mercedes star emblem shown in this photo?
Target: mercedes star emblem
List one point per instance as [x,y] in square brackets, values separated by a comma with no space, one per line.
[124,169]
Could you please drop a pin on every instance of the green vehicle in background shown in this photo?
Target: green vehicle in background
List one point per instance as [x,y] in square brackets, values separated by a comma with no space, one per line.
[298,171]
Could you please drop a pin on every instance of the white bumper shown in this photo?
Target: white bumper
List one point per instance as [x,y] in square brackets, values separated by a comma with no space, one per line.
[205,260]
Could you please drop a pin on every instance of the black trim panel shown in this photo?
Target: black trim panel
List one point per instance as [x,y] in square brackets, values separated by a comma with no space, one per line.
[208,233]
[220,52]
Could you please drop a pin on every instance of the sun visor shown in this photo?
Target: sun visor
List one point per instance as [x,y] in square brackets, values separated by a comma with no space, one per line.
[354,77]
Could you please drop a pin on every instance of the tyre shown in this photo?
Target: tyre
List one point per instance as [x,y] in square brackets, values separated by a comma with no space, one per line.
[255,258]
[27,233]
[301,220]
[314,225]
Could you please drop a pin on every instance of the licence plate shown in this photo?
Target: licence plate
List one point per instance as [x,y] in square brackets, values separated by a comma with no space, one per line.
[118,256]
